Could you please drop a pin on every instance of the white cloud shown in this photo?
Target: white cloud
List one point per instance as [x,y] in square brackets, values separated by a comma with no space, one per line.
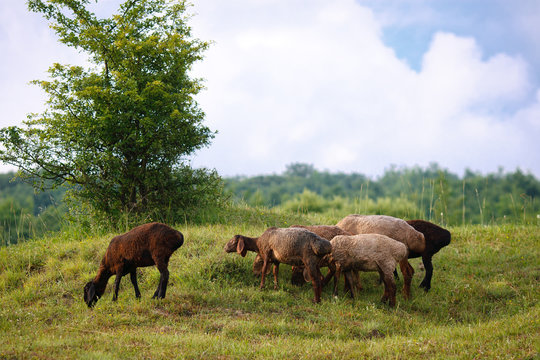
[312,81]
[325,89]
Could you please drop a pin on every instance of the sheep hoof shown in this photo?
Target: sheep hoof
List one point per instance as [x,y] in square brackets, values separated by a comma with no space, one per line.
[426,287]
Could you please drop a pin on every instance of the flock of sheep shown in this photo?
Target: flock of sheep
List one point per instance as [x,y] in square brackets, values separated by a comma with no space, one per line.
[357,243]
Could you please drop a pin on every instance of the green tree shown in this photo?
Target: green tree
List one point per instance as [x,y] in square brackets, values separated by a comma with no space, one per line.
[117,132]
[300,169]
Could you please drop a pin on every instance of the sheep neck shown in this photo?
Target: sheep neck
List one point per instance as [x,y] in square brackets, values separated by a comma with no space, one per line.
[251,244]
[101,280]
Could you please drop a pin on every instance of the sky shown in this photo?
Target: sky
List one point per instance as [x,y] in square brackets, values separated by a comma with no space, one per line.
[344,85]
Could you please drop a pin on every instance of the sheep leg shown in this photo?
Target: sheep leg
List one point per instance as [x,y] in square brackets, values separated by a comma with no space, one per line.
[349,278]
[276,272]
[336,279]
[263,272]
[117,283]
[353,281]
[356,278]
[396,276]
[315,275]
[331,272]
[428,266]
[408,272]
[347,284]
[163,280]
[385,293]
[389,288]
[133,276]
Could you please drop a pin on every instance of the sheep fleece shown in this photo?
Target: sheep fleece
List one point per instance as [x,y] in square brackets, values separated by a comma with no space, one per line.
[367,252]
[289,244]
[392,227]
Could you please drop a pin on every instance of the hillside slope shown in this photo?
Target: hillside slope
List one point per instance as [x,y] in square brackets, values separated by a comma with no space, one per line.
[484,303]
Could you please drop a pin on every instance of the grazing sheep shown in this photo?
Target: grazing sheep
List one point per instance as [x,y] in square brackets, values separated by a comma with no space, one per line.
[394,228]
[436,238]
[297,277]
[293,246]
[366,252]
[146,245]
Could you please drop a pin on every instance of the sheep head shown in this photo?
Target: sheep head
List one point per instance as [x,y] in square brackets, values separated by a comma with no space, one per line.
[237,243]
[258,264]
[90,296]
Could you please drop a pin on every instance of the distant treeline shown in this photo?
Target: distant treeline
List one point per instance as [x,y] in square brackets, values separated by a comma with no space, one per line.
[25,213]
[430,193]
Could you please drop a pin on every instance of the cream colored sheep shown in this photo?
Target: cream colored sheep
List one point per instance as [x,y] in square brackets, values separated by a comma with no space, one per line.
[366,252]
[394,228]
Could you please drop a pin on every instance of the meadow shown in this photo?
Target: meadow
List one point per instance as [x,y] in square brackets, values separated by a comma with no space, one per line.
[484,302]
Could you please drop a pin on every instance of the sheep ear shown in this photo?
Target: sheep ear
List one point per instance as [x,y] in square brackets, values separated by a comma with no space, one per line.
[241,247]
[89,293]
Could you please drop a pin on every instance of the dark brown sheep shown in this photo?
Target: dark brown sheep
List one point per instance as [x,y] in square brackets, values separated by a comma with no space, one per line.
[293,246]
[436,238]
[146,245]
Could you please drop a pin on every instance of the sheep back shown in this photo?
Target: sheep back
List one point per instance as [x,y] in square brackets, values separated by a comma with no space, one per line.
[324,231]
[327,232]
[367,252]
[141,245]
[392,227]
[436,237]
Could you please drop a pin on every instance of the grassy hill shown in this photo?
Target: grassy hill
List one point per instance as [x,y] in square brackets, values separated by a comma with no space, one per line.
[483,303]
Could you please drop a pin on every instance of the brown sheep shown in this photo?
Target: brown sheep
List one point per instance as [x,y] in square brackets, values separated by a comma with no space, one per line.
[146,245]
[297,277]
[293,246]
[394,228]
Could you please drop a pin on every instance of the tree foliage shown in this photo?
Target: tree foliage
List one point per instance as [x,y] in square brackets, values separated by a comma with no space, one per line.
[119,131]
[429,193]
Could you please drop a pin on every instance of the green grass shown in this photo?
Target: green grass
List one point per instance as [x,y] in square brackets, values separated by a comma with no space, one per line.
[483,303]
